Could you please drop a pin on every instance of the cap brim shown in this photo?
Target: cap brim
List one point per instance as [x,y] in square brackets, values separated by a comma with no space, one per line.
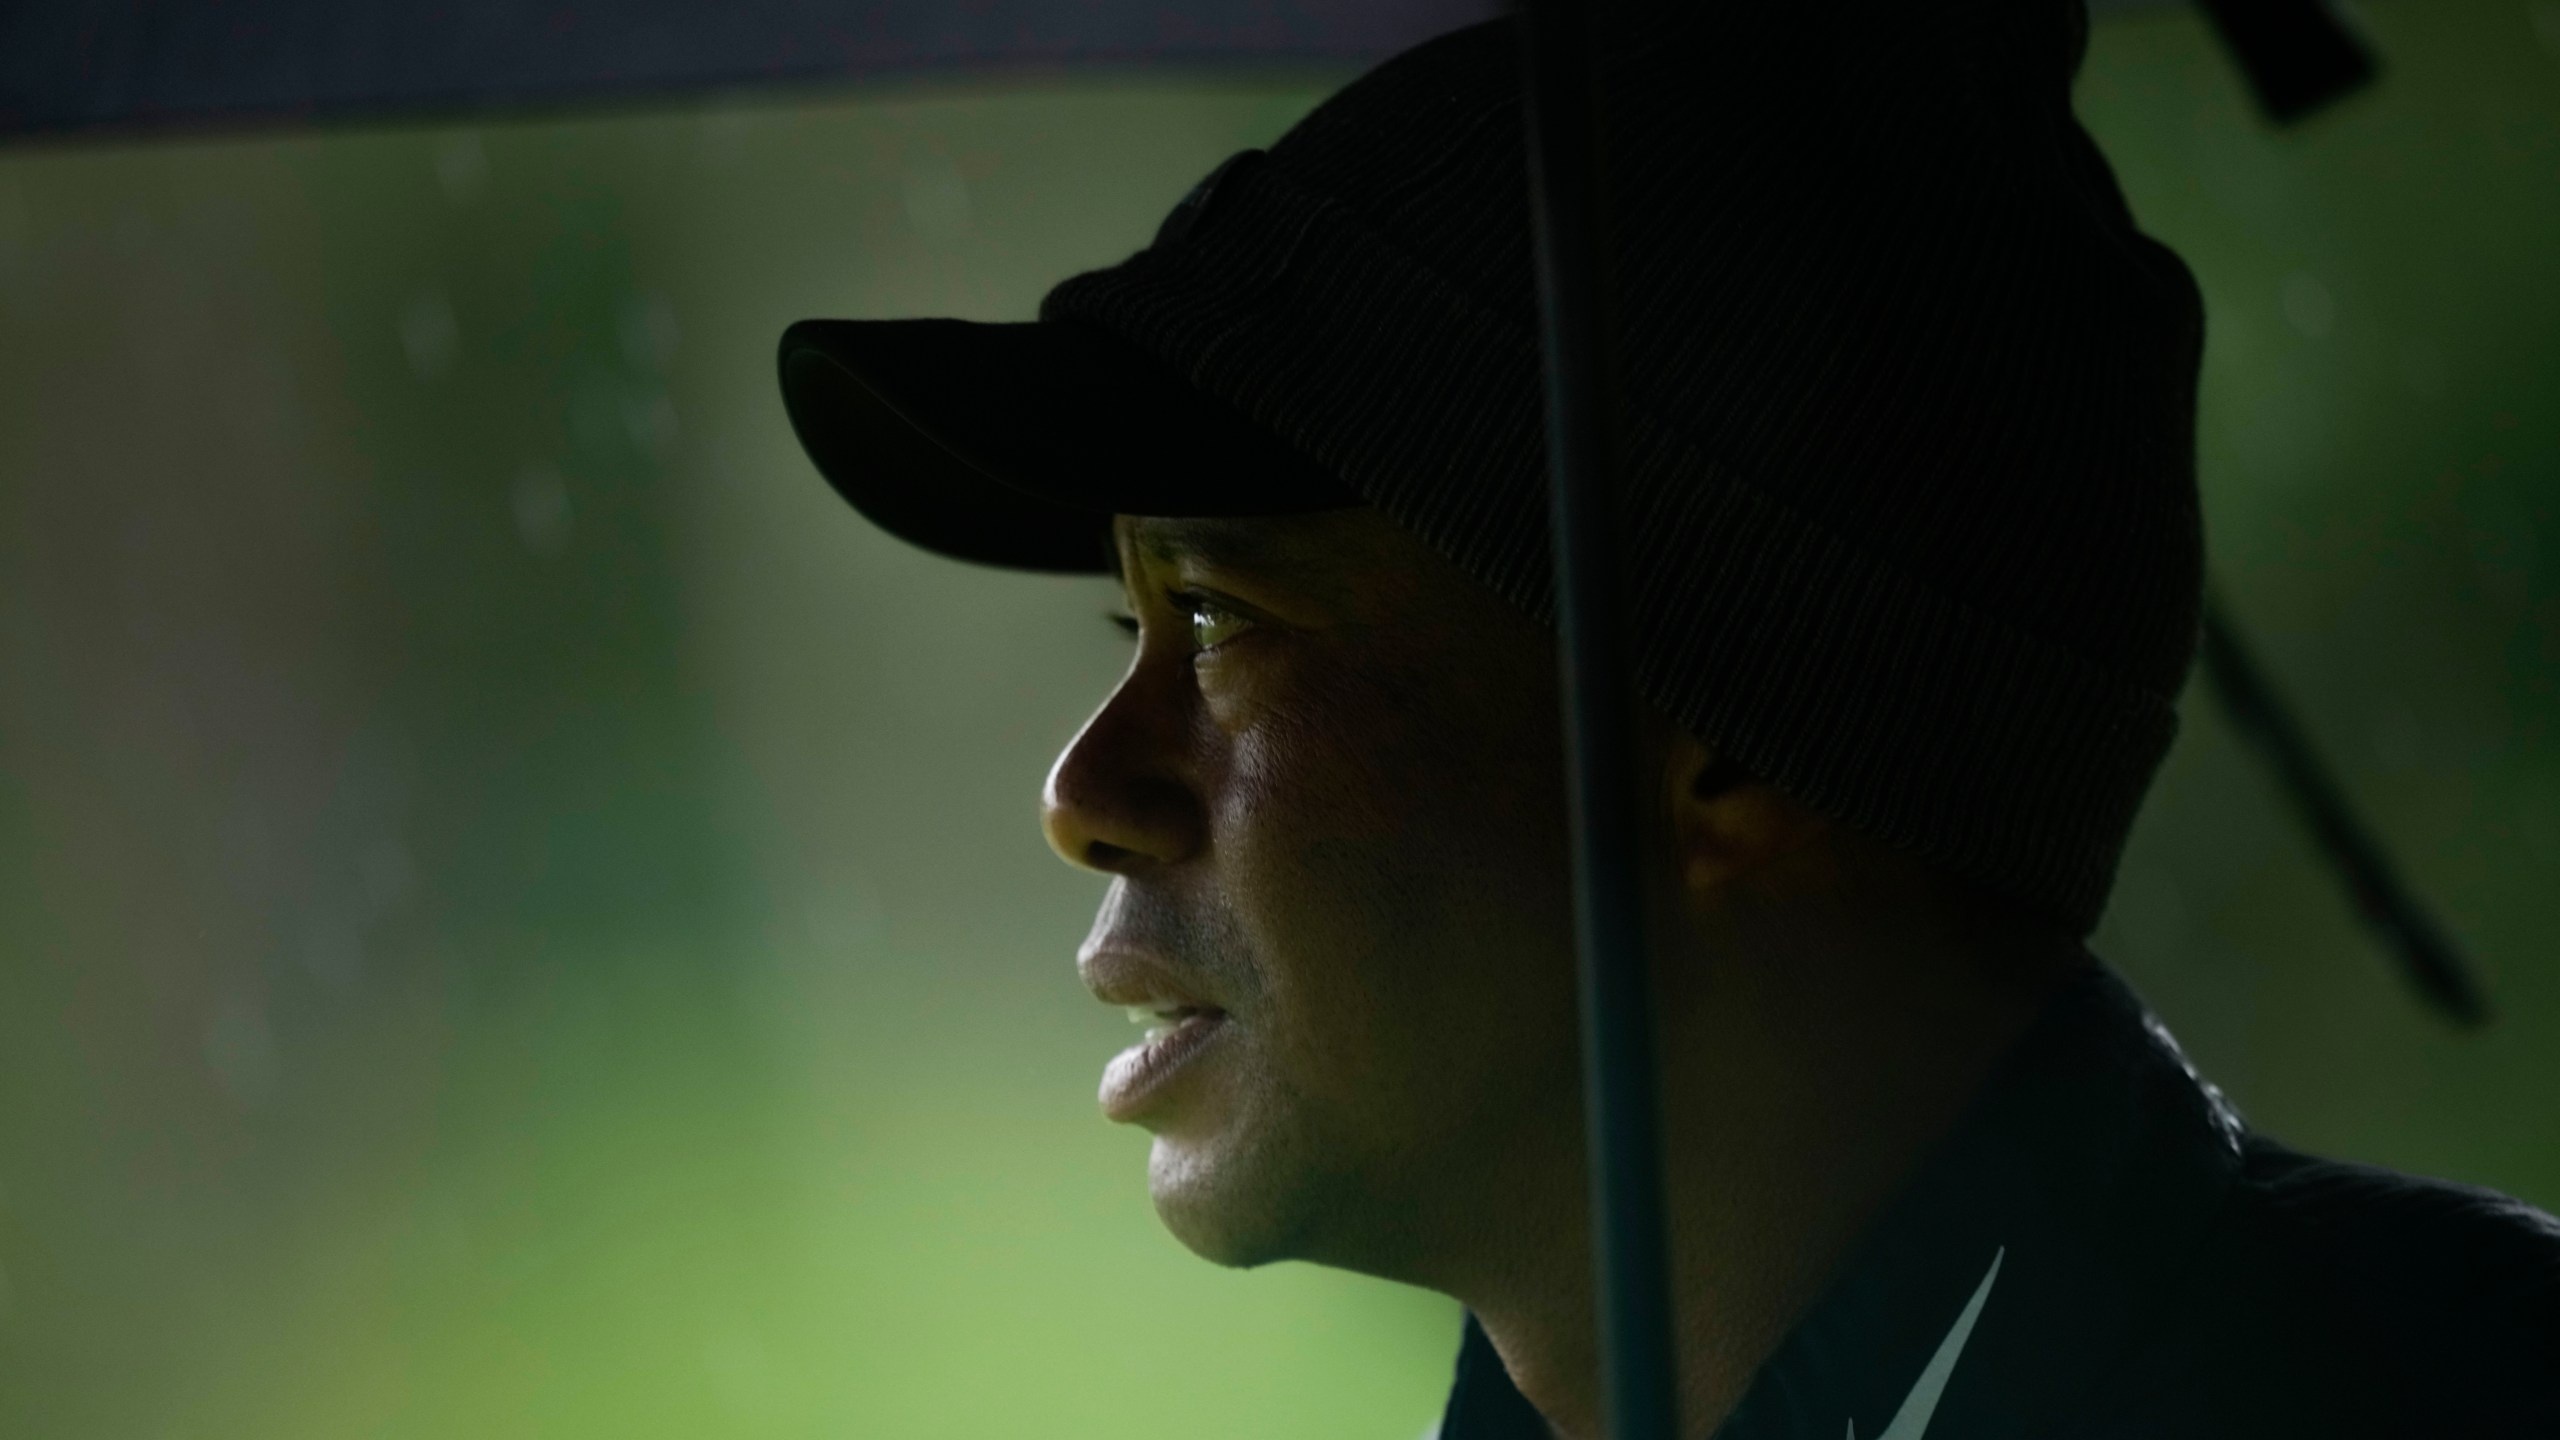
[1014,445]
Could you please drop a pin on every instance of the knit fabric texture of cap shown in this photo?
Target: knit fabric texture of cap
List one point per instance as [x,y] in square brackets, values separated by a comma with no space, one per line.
[1908,399]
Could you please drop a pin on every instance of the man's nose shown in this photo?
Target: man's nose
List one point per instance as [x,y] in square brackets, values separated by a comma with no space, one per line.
[1116,801]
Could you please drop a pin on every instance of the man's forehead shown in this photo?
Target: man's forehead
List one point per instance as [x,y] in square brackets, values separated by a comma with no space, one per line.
[1352,555]
[1321,543]
[1229,539]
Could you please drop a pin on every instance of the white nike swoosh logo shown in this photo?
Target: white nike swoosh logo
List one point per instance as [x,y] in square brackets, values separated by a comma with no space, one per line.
[1913,1418]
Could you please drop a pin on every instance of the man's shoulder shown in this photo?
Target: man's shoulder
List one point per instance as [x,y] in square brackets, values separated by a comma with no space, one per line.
[2454,1288]
[2365,1302]
[2405,1232]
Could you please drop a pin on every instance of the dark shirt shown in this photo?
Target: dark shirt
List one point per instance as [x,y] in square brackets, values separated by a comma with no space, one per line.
[2102,1250]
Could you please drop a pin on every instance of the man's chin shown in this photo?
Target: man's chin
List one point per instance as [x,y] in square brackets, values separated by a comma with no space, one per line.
[1221,1210]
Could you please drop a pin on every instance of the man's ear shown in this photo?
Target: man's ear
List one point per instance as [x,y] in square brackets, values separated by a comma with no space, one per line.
[1725,822]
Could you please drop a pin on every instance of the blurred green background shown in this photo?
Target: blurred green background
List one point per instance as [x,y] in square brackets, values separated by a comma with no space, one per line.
[521,917]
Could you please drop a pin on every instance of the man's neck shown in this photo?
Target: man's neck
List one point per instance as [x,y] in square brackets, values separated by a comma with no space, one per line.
[1805,1075]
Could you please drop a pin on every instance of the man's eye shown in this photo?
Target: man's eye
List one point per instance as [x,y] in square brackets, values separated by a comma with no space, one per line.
[1212,624]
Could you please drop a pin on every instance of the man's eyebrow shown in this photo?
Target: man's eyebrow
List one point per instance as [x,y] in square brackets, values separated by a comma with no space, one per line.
[1277,558]
[1226,543]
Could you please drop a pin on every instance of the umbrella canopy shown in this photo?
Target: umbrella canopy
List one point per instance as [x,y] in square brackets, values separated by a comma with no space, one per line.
[90,65]
[84,66]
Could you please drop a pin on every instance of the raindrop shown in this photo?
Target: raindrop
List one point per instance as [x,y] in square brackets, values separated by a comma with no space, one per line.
[739,1367]
[2540,826]
[722,134]
[132,234]
[651,424]
[431,335]
[462,167]
[241,1050]
[386,872]
[2308,306]
[2398,742]
[937,198]
[333,947]
[248,846]
[2422,369]
[650,333]
[541,501]
[15,228]
[2502,547]
[595,417]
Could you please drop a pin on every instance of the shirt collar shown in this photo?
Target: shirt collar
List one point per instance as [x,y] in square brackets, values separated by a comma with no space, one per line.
[2088,1165]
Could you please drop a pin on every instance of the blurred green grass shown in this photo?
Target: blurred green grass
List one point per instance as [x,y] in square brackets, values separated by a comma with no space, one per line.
[521,917]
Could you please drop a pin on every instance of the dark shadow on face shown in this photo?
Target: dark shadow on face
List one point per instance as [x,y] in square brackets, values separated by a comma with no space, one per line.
[1329,793]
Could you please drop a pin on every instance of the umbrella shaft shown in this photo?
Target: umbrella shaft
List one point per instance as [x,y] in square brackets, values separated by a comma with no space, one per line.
[1560,56]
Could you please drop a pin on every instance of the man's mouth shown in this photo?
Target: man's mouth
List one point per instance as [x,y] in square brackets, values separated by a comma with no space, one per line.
[1175,1032]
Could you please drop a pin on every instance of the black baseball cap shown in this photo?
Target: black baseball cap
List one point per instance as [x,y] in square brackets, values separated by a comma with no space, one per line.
[1015,444]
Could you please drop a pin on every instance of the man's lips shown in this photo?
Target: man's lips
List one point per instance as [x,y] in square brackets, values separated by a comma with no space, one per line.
[1138,1075]
[1179,1021]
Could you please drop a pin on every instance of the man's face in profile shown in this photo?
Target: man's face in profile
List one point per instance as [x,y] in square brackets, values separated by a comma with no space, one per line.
[1328,792]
